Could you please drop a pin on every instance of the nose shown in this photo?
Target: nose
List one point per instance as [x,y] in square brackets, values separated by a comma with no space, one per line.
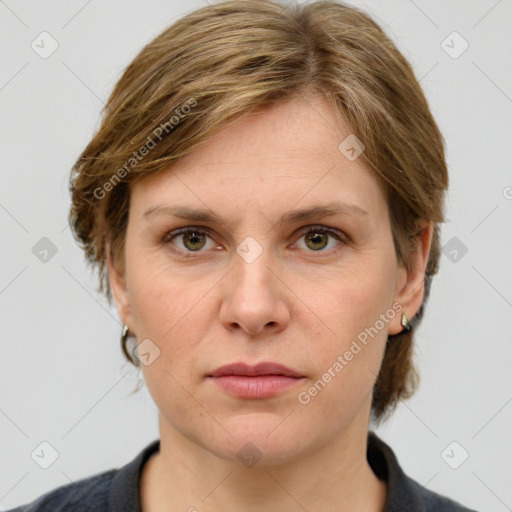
[255,298]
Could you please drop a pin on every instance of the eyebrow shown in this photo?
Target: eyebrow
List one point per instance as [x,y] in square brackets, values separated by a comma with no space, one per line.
[207,216]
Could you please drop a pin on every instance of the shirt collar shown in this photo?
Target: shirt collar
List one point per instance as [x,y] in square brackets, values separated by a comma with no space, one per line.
[403,494]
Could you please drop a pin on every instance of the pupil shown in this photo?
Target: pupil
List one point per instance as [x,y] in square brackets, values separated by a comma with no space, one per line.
[315,236]
[193,238]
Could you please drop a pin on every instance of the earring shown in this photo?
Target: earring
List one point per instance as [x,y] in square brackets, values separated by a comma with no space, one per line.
[124,334]
[405,324]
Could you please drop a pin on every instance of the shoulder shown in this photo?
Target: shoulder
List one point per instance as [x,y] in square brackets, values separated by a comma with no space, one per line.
[114,490]
[85,495]
[434,502]
[404,493]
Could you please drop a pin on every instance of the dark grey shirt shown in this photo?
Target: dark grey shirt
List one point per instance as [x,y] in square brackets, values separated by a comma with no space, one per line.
[117,490]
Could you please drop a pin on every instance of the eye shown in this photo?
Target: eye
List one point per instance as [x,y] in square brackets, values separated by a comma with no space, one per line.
[317,238]
[191,239]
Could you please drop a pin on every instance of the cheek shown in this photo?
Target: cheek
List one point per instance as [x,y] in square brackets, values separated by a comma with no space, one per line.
[159,295]
[165,306]
[357,309]
[356,295]
[165,310]
[348,363]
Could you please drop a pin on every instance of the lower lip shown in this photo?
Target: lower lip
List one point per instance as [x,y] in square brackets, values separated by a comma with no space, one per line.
[264,386]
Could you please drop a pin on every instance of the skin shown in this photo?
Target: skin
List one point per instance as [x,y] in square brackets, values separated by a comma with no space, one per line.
[298,304]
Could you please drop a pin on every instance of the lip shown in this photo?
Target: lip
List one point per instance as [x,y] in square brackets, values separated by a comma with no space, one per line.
[264,380]
[266,368]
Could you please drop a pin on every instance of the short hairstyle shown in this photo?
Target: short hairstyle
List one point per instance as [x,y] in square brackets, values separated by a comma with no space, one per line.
[218,63]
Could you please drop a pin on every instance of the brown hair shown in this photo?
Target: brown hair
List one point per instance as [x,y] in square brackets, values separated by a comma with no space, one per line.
[226,59]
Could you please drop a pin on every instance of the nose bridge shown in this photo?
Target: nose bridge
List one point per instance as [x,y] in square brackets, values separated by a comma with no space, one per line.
[252,274]
[253,297]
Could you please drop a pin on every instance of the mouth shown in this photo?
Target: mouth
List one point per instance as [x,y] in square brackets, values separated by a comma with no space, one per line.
[264,380]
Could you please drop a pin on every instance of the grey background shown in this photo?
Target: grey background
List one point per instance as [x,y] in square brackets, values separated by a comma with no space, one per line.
[63,377]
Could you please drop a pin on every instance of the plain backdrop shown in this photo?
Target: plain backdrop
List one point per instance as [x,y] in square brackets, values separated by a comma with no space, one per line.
[63,379]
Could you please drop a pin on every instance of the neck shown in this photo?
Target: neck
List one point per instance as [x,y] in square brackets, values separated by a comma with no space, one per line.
[335,477]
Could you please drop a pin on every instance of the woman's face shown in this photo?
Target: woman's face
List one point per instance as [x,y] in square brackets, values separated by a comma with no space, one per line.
[250,288]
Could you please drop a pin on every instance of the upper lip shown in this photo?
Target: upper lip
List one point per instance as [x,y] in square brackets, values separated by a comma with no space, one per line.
[254,371]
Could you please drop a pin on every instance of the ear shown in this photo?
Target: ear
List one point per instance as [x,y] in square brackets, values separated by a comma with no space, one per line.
[117,279]
[410,286]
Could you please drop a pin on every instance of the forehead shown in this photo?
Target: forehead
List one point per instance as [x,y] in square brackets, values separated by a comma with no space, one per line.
[279,157]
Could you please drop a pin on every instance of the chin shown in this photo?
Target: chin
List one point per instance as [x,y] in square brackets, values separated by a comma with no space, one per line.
[261,439]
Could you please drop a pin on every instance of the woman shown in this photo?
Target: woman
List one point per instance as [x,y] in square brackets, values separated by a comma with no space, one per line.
[262,202]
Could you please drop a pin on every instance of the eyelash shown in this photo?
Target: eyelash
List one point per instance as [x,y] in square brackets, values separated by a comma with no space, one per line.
[338,235]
